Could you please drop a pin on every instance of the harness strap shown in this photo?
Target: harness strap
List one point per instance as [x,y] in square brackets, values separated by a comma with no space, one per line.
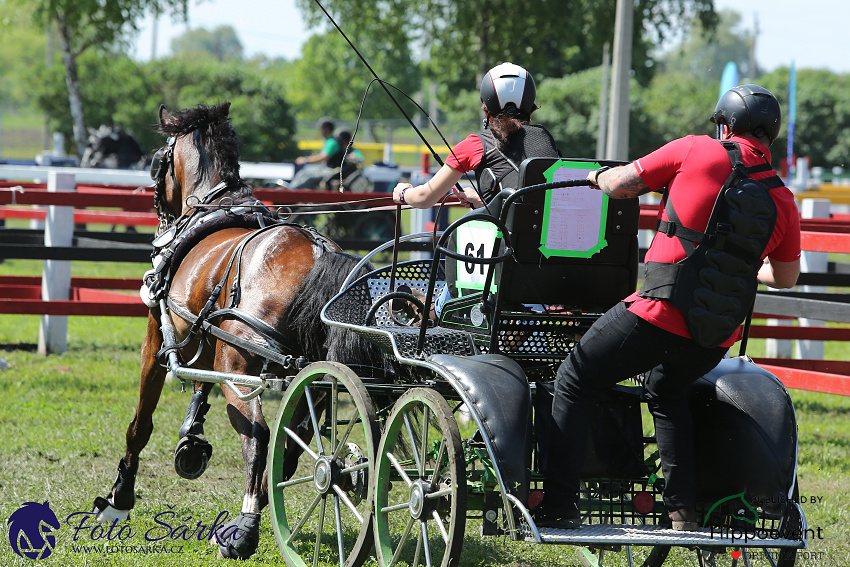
[772,182]
[314,237]
[688,237]
[494,148]
[230,338]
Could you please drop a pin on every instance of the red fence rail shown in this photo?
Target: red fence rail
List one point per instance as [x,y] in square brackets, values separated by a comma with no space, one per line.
[98,296]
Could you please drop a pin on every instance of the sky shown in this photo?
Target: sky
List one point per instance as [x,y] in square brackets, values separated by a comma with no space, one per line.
[814,37]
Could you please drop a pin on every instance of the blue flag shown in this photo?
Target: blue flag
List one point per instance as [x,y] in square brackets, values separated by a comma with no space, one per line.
[792,117]
[729,78]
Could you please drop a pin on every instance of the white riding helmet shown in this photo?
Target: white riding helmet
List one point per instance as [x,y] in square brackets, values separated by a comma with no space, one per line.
[508,84]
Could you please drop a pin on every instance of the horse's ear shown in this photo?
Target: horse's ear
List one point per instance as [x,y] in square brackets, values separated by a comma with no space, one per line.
[226,107]
[165,117]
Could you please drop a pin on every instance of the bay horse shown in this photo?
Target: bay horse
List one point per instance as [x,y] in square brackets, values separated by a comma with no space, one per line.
[280,275]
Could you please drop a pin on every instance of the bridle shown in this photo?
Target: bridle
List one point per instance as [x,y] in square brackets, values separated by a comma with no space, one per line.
[161,163]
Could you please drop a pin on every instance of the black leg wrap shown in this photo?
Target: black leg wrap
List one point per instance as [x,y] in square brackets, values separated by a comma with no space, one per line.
[239,538]
[123,495]
[193,451]
[121,498]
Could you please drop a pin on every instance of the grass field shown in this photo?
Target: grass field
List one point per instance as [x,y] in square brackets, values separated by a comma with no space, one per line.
[62,424]
[22,135]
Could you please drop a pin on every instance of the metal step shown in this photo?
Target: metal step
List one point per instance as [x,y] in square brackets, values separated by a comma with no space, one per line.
[624,534]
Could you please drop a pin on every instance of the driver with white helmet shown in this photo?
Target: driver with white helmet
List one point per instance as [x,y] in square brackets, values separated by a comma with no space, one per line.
[507,100]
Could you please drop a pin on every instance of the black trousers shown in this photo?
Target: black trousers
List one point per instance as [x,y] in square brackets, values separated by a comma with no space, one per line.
[618,346]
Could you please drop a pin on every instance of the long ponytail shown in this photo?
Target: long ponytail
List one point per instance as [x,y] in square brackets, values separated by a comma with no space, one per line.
[505,124]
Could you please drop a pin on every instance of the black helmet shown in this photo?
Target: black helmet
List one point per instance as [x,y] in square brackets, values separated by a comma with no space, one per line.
[749,108]
[508,84]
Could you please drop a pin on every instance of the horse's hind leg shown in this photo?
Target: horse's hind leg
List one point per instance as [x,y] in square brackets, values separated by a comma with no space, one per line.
[122,497]
[193,451]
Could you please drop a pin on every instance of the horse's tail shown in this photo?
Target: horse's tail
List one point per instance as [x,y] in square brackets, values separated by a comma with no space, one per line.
[332,343]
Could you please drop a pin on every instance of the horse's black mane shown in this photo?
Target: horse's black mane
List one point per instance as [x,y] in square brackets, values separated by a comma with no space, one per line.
[215,139]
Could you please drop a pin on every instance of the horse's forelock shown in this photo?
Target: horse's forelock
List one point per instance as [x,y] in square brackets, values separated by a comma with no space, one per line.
[196,118]
[216,135]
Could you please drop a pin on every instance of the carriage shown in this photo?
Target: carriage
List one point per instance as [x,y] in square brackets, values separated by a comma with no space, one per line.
[448,421]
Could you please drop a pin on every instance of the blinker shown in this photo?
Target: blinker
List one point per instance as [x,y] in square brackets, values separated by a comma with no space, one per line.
[157,164]
[165,238]
[161,159]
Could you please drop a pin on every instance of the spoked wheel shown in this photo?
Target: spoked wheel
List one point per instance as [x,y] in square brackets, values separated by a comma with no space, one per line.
[420,484]
[319,483]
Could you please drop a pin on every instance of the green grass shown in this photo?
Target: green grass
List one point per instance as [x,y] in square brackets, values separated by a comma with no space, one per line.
[63,418]
[22,134]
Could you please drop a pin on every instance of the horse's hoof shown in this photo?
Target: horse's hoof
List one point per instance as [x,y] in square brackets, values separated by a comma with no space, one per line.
[239,538]
[192,456]
[106,513]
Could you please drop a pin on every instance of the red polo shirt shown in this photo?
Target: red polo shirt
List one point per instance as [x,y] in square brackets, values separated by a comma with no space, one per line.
[694,169]
[466,155]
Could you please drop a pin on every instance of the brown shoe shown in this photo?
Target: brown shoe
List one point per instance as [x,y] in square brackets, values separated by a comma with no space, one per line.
[683,519]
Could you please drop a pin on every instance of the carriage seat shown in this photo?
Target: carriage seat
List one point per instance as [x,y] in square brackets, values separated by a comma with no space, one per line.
[575,256]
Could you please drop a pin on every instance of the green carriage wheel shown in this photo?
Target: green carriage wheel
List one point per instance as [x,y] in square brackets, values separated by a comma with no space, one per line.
[319,484]
[420,484]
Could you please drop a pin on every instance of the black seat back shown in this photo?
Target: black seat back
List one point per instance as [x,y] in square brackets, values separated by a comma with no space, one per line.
[573,246]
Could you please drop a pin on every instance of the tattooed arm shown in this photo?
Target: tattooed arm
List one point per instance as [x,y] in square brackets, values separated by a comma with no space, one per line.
[621,182]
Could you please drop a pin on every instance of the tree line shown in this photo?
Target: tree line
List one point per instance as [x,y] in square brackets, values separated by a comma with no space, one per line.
[434,52]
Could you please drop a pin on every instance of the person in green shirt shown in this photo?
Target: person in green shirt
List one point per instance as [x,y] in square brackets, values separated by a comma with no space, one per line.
[317,166]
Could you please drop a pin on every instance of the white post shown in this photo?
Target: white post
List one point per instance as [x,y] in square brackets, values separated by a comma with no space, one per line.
[388,147]
[56,279]
[419,217]
[617,142]
[602,128]
[812,262]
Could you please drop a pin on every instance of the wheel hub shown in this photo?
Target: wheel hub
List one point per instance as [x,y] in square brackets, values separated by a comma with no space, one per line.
[416,503]
[323,475]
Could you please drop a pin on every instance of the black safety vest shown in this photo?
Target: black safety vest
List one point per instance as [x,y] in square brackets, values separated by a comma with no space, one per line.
[499,170]
[715,285]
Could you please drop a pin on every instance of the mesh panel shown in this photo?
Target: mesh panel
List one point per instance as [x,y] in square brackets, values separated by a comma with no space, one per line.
[538,341]
[352,306]
[608,502]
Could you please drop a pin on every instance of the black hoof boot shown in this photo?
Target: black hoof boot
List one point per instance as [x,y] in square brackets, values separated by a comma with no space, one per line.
[193,451]
[192,456]
[121,499]
[239,538]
